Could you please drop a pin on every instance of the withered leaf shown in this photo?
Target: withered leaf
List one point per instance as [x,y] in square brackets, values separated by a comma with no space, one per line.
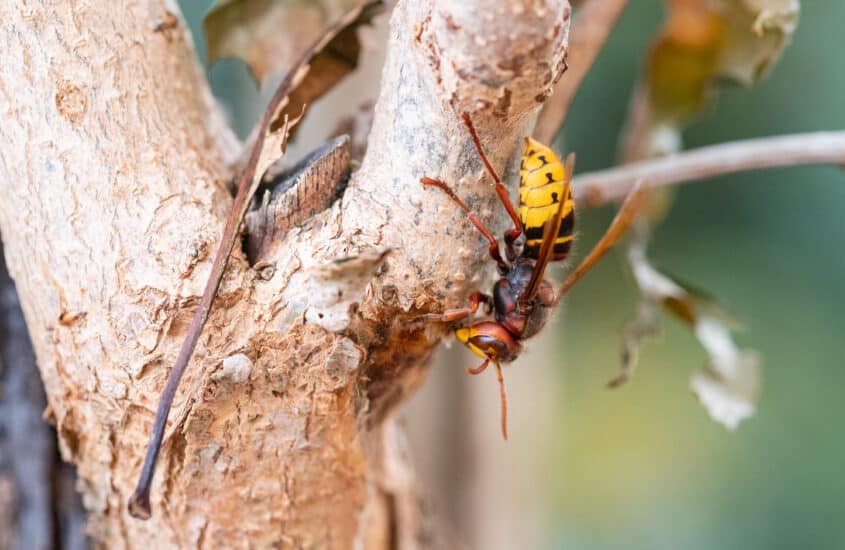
[758,32]
[269,35]
[703,43]
[335,56]
[707,42]
[729,383]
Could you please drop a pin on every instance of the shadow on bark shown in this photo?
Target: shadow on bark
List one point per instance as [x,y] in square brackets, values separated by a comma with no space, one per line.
[39,508]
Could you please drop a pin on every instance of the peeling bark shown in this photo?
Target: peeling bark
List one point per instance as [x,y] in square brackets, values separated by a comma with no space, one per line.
[113,176]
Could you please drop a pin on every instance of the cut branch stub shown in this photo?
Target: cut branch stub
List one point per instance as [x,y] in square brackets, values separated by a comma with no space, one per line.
[500,58]
[292,196]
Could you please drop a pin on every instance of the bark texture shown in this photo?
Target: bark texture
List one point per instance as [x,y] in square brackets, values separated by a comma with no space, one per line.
[113,176]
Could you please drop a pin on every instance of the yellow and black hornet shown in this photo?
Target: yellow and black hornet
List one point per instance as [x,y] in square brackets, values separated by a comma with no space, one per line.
[543,231]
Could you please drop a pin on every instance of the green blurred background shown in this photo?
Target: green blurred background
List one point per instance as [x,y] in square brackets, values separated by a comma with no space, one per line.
[644,466]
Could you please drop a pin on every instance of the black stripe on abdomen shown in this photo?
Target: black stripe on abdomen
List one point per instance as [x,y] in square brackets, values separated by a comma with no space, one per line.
[567,225]
[563,241]
[561,250]
[534,233]
[532,250]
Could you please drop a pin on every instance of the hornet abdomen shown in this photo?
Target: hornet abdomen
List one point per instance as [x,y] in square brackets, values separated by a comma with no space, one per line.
[542,185]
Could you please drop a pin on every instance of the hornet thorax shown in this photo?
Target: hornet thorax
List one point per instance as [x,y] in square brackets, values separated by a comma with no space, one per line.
[525,319]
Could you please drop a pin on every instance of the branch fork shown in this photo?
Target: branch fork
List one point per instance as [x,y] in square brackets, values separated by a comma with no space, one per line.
[289,425]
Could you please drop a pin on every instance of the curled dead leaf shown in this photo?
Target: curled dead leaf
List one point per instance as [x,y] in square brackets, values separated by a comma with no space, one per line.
[729,384]
[270,35]
[703,45]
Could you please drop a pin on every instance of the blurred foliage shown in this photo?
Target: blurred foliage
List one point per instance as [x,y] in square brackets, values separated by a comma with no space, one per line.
[702,44]
[269,36]
[642,466]
[230,79]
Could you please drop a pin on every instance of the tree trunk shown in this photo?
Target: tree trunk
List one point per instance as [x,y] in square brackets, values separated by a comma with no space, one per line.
[113,175]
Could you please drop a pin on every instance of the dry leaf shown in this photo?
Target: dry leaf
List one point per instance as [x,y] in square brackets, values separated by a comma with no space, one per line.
[728,385]
[269,35]
[704,43]
[684,61]
[757,33]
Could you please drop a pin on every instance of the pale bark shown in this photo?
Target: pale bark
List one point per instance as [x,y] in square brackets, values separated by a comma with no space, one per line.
[113,177]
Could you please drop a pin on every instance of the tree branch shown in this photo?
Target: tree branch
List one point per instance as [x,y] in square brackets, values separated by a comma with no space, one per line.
[598,188]
[114,199]
[593,23]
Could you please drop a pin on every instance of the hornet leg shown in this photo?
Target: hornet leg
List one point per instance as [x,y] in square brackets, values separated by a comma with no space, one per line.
[455,314]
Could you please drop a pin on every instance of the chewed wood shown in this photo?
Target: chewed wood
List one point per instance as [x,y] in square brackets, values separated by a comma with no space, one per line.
[294,195]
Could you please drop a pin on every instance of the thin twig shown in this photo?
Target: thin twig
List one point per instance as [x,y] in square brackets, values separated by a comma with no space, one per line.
[598,188]
[590,29]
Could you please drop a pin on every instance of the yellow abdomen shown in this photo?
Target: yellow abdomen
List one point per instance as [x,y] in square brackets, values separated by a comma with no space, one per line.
[542,185]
